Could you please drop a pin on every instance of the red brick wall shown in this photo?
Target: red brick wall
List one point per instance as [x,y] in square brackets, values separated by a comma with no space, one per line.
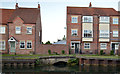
[22,36]
[95,44]
[38,38]
[5,37]
[43,48]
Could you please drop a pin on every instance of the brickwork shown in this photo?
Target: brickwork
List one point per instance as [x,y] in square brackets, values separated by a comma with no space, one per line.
[23,36]
[43,48]
[4,37]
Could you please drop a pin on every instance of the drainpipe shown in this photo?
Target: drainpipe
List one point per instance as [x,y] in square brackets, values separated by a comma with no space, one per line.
[81,37]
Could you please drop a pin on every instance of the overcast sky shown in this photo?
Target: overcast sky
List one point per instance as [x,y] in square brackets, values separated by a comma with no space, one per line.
[53,13]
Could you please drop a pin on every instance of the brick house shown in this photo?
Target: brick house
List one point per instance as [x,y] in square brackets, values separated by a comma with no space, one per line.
[92,29]
[20,30]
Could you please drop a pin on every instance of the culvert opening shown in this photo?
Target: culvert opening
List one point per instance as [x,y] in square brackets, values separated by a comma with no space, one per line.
[60,64]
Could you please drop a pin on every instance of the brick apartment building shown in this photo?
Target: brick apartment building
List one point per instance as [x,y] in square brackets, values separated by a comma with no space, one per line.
[20,30]
[92,29]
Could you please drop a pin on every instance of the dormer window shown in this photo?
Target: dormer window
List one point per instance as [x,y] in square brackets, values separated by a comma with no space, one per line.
[87,19]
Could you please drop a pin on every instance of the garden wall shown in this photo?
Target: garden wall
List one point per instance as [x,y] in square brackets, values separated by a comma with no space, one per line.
[55,48]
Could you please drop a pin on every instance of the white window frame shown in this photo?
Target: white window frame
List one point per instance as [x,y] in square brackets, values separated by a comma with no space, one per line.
[115,33]
[18,31]
[74,31]
[103,45]
[31,44]
[74,19]
[74,44]
[24,44]
[115,20]
[2,29]
[30,30]
[87,32]
[2,45]
[87,19]
[104,19]
[116,46]
[87,45]
[104,33]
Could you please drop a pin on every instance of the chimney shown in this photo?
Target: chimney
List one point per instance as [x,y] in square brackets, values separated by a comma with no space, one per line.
[16,6]
[38,5]
[90,5]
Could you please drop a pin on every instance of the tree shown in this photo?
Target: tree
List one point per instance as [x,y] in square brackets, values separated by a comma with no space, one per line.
[48,42]
[64,38]
[42,43]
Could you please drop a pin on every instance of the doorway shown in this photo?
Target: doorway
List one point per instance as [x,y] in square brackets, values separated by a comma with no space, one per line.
[115,47]
[12,46]
[75,45]
[76,48]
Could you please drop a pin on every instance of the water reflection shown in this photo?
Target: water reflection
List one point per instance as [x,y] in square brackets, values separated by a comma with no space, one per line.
[63,70]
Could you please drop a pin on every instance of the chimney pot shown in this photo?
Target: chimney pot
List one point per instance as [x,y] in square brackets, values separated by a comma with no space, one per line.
[90,5]
[38,5]
[16,5]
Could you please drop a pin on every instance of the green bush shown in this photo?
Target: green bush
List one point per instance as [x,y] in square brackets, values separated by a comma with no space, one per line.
[55,53]
[49,51]
[111,52]
[63,52]
[69,51]
[101,52]
[73,62]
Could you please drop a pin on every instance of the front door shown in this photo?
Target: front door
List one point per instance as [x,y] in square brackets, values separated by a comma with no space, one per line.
[12,46]
[113,47]
[76,48]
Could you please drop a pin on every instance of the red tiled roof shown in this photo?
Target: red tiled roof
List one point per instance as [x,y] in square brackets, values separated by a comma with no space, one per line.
[28,15]
[5,14]
[91,11]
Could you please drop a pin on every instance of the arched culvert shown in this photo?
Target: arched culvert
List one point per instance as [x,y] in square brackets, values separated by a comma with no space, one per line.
[60,64]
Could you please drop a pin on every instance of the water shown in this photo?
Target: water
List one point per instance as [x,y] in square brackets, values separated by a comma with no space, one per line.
[62,70]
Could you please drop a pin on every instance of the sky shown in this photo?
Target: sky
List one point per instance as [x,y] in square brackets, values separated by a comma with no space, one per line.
[53,13]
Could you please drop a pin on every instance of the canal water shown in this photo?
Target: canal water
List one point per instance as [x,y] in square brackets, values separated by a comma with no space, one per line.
[62,70]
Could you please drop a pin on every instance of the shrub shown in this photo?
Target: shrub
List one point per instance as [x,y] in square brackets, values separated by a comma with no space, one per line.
[48,42]
[73,62]
[112,52]
[55,53]
[63,52]
[101,52]
[49,51]
[69,51]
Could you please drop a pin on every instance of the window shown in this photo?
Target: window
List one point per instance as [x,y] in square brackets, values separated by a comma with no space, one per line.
[29,30]
[29,44]
[22,44]
[86,45]
[87,18]
[87,33]
[74,32]
[103,45]
[115,33]
[104,33]
[18,30]
[74,19]
[2,30]
[104,19]
[2,45]
[115,20]
[116,46]
[73,44]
